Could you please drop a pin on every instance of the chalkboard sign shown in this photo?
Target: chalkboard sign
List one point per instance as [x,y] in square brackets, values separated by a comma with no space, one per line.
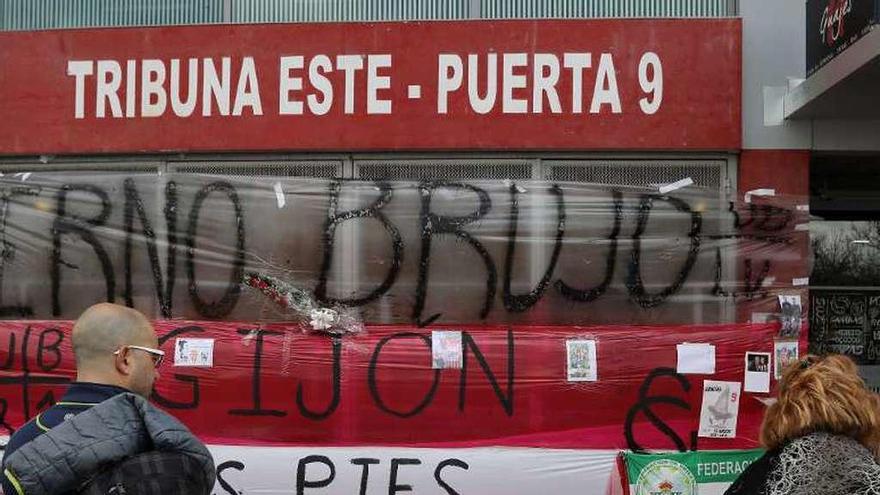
[846,322]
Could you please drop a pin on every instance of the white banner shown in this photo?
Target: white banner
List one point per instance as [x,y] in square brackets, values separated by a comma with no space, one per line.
[246,470]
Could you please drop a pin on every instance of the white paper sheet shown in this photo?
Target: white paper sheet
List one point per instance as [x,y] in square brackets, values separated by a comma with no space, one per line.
[758,192]
[279,195]
[696,358]
[668,188]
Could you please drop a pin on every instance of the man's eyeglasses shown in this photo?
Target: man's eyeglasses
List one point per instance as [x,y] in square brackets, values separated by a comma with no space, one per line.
[158,355]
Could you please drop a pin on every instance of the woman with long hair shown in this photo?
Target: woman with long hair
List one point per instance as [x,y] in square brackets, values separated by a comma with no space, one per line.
[822,435]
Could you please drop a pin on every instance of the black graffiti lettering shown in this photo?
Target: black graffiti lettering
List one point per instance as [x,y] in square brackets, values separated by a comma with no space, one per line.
[753,285]
[194,401]
[738,222]
[82,227]
[634,282]
[24,354]
[610,261]
[26,379]
[4,407]
[46,402]
[226,304]
[302,483]
[523,302]
[83,209]
[16,312]
[164,286]
[238,466]
[337,379]
[716,289]
[755,288]
[763,217]
[645,402]
[334,219]
[433,224]
[374,386]
[257,410]
[443,465]
[25,368]
[506,400]
[769,218]
[393,487]
[766,239]
[7,247]
[54,348]
[774,218]
[365,463]
[10,353]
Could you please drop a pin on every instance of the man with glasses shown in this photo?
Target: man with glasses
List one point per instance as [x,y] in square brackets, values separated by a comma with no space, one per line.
[117,355]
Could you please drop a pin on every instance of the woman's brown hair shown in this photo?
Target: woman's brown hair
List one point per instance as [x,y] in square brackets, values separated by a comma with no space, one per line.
[823,394]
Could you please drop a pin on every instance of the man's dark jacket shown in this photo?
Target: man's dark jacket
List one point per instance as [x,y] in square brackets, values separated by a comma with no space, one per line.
[90,445]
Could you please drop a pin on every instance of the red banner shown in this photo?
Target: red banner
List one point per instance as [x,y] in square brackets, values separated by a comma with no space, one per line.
[274,385]
[586,84]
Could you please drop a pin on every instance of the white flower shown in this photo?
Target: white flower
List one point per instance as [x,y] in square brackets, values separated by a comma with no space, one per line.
[322,318]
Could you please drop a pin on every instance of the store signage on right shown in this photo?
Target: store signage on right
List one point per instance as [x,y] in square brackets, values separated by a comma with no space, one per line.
[833,26]
[846,322]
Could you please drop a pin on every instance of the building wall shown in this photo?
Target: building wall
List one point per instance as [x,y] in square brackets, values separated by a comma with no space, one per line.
[49,14]
[775,154]
[786,171]
[774,53]
[773,40]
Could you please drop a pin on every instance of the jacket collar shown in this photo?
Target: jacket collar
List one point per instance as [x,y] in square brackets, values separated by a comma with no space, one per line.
[91,393]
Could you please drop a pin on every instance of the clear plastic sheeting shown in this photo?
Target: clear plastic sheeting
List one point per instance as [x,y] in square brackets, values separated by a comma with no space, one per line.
[299,318]
[530,252]
[282,407]
[271,384]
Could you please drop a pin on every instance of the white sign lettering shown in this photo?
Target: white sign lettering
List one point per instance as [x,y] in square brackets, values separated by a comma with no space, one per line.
[473,83]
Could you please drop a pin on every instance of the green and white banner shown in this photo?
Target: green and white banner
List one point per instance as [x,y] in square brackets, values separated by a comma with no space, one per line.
[688,473]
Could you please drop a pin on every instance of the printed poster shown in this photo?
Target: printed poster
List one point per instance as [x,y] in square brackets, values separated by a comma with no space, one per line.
[706,472]
[790,315]
[720,409]
[785,353]
[581,358]
[194,352]
[757,374]
[446,349]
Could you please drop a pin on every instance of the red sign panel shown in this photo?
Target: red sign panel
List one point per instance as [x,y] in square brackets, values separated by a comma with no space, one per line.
[538,85]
